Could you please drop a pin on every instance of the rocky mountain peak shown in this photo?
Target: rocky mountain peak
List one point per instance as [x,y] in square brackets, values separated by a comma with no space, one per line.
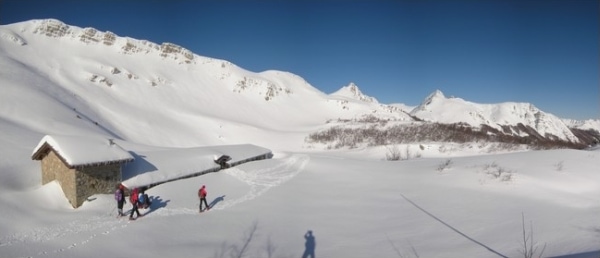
[352,91]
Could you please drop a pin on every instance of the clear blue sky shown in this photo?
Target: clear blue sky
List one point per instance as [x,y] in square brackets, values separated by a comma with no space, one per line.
[543,52]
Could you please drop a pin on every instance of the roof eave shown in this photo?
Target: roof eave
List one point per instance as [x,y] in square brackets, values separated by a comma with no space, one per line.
[122,161]
[41,151]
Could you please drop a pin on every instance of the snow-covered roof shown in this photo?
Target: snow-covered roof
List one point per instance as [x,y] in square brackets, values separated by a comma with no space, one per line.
[162,165]
[82,150]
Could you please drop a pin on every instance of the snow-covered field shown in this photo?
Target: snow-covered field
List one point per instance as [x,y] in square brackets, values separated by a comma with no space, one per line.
[356,208]
[452,201]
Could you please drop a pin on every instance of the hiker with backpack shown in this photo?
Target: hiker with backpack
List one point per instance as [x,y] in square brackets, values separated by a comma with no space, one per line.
[120,198]
[202,194]
[143,199]
[133,198]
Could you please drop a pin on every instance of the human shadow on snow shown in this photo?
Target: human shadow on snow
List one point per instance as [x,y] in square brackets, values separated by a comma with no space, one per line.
[216,201]
[309,245]
[156,203]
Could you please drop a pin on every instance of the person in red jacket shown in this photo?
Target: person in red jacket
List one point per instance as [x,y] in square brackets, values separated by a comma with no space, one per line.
[202,195]
[133,198]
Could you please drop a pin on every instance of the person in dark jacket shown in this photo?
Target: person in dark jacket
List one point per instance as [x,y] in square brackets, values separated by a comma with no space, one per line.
[143,199]
[202,194]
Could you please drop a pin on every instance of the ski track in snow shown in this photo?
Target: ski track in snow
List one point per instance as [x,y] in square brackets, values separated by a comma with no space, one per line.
[260,181]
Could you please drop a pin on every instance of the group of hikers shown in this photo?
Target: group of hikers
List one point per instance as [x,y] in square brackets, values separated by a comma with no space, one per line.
[140,200]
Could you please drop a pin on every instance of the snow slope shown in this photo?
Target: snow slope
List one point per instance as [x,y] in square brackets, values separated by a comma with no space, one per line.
[169,106]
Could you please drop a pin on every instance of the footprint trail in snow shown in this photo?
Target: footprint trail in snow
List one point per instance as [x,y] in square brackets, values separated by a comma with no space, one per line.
[263,179]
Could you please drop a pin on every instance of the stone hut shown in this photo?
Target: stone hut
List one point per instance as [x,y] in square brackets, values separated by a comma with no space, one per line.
[83,165]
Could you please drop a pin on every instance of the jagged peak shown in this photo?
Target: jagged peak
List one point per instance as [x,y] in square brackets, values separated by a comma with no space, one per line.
[436,94]
[352,91]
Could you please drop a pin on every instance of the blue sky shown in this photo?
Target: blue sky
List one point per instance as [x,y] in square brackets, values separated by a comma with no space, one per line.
[542,52]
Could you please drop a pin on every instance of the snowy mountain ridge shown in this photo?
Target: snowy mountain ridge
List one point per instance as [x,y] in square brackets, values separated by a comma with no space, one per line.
[503,116]
[103,80]
[58,29]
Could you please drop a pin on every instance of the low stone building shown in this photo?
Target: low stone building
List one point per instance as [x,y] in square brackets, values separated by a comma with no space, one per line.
[83,165]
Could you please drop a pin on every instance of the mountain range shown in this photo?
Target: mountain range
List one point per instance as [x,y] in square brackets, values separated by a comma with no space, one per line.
[65,75]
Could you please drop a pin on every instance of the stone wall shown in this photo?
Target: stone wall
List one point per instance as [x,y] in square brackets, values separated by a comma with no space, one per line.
[80,183]
[53,168]
[97,180]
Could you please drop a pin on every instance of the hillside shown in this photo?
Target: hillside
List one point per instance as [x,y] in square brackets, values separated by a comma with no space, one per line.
[51,66]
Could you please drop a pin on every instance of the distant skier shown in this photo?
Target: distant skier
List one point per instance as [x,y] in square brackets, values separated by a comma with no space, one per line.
[202,194]
[133,198]
[120,198]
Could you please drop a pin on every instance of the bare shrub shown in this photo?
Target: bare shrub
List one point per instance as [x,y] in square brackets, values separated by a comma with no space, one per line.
[270,248]
[498,172]
[370,130]
[402,254]
[444,165]
[529,247]
[241,250]
[393,153]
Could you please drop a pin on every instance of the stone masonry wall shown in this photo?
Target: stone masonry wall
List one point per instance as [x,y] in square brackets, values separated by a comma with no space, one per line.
[54,169]
[97,180]
[80,183]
